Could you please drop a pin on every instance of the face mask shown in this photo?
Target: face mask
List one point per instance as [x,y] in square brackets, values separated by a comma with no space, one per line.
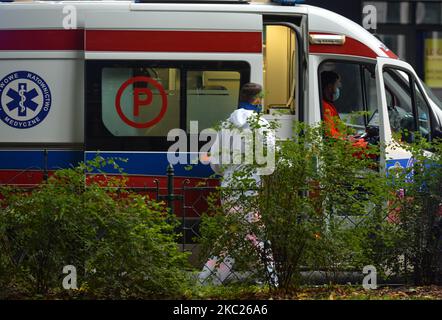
[337,94]
[257,102]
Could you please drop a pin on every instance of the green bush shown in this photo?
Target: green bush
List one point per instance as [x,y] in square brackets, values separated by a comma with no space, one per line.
[415,216]
[122,244]
[311,209]
[330,207]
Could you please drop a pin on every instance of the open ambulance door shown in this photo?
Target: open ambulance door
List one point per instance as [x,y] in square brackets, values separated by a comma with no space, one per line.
[303,68]
[285,52]
[403,111]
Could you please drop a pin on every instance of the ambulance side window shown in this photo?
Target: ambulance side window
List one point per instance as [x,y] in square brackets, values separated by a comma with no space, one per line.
[400,113]
[139,103]
[134,104]
[408,112]
[211,96]
[357,100]
[370,84]
[423,114]
[371,92]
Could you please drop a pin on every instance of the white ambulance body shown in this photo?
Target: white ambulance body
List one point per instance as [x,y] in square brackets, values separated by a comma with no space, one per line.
[114,77]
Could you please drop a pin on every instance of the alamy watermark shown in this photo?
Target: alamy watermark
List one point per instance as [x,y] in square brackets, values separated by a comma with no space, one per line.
[370,17]
[69,17]
[70,281]
[370,281]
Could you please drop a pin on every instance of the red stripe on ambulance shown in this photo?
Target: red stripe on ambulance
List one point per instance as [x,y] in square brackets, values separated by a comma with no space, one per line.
[173,41]
[41,39]
[389,53]
[132,40]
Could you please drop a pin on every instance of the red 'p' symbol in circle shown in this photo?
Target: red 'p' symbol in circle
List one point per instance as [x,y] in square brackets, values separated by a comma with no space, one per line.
[138,101]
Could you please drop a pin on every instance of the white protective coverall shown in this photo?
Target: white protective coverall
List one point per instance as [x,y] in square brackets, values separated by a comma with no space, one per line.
[239,121]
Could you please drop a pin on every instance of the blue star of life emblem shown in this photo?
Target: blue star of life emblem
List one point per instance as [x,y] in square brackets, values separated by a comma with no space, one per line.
[22,99]
[25,99]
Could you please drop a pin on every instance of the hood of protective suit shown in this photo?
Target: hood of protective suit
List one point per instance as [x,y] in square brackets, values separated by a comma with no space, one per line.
[239,118]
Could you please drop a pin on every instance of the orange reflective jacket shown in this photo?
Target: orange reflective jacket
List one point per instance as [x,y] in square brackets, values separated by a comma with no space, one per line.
[330,117]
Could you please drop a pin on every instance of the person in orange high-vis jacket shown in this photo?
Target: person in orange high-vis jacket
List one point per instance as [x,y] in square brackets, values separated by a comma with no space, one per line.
[331,91]
[330,116]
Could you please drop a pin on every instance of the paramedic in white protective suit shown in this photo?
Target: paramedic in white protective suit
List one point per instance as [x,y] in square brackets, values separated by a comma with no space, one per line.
[239,121]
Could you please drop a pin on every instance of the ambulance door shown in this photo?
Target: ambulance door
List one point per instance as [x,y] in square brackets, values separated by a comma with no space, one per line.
[285,70]
[403,111]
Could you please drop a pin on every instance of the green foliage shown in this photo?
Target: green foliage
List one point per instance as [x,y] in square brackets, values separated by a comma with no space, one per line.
[310,209]
[329,206]
[415,215]
[122,244]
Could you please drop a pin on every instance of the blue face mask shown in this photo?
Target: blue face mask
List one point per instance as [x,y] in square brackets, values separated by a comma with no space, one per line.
[337,94]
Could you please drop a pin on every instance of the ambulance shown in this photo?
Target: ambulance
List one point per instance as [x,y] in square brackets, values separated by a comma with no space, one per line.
[81,78]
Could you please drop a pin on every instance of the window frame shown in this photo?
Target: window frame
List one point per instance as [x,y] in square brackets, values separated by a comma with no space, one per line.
[301,57]
[414,85]
[361,80]
[413,82]
[98,137]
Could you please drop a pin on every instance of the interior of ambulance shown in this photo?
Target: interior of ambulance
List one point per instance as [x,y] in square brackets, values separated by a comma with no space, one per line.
[280,67]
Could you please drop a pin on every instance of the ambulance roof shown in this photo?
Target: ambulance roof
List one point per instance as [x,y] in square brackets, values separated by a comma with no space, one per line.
[46,14]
